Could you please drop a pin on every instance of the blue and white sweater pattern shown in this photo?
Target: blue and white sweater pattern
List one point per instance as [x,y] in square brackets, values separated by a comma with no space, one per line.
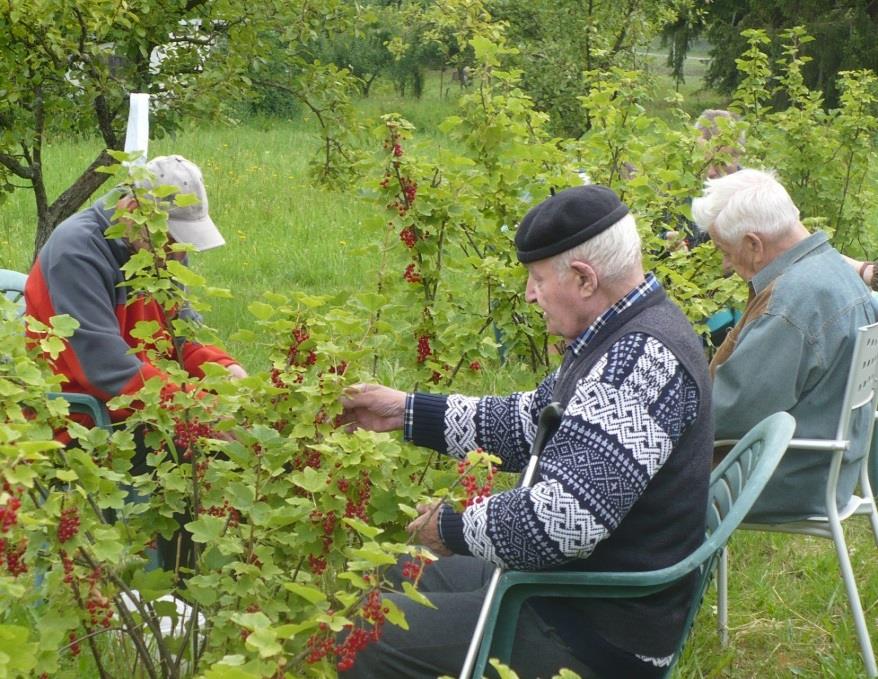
[625,418]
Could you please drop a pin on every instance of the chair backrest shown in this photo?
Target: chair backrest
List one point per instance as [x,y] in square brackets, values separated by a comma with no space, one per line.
[735,485]
[12,286]
[861,388]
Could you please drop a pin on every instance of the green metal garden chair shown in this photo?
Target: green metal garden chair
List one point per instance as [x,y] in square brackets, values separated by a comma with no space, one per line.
[861,392]
[12,287]
[734,486]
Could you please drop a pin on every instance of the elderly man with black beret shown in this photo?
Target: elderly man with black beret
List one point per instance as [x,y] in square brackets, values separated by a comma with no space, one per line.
[622,484]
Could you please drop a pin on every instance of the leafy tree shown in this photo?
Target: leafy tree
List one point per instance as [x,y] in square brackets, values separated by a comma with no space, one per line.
[561,39]
[845,32]
[68,67]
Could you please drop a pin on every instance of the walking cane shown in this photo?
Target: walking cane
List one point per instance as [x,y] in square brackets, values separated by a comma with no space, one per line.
[548,422]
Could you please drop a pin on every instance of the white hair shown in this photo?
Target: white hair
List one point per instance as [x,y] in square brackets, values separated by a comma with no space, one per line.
[746,201]
[613,253]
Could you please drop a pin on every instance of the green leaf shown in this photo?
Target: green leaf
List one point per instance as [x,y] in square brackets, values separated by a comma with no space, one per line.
[153,584]
[362,527]
[20,655]
[184,274]
[186,199]
[63,324]
[244,336]
[107,545]
[261,310]
[291,631]
[310,594]
[412,593]
[373,554]
[264,640]
[145,330]
[310,479]
[394,614]
[206,528]
[226,670]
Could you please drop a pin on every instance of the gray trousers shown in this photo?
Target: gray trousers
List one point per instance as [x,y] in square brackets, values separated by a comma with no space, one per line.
[438,638]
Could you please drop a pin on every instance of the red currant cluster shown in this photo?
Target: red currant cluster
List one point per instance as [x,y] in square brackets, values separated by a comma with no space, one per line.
[320,644]
[358,638]
[424,349]
[68,524]
[328,522]
[403,203]
[317,564]
[224,510]
[67,564]
[409,190]
[339,369]
[187,434]
[413,569]
[74,643]
[296,356]
[9,514]
[358,498]
[411,275]
[308,458]
[397,150]
[201,468]
[99,608]
[475,366]
[409,236]
[13,555]
[474,492]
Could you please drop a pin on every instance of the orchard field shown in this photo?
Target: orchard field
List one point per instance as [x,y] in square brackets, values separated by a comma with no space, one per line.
[400,272]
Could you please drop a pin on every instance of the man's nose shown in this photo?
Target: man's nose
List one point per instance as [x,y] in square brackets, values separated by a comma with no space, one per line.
[529,295]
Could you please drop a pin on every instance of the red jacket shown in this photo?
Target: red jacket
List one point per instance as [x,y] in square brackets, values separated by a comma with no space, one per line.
[78,272]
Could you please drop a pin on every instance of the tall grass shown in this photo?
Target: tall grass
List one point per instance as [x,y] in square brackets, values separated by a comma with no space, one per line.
[789,614]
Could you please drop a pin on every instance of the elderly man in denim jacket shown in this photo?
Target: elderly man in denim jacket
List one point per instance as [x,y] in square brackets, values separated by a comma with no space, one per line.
[792,349]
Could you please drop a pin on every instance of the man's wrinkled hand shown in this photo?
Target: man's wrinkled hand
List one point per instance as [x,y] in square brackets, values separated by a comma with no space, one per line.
[373,407]
[425,528]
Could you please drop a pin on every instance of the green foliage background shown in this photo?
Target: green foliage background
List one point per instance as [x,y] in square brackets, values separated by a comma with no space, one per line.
[458,174]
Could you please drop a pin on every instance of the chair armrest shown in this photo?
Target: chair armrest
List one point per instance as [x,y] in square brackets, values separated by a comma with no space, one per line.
[827,445]
[87,404]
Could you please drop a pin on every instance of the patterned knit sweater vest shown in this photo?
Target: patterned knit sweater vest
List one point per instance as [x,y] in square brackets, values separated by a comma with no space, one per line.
[667,522]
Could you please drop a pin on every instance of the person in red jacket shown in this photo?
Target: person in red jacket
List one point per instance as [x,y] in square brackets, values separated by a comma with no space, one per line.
[78,272]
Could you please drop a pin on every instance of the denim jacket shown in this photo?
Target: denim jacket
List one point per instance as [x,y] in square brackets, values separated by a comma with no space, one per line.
[793,353]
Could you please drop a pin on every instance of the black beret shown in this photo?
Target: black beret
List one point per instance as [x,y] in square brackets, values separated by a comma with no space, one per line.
[565,220]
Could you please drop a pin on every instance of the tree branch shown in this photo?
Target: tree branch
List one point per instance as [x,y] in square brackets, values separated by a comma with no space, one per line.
[16,168]
[80,190]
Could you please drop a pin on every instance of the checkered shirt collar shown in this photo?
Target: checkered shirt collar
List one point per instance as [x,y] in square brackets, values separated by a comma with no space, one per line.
[649,286]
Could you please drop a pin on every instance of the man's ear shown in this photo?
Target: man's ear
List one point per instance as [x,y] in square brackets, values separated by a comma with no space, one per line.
[754,246]
[586,277]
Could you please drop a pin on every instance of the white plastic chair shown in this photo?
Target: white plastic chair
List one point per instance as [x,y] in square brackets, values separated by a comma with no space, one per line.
[861,392]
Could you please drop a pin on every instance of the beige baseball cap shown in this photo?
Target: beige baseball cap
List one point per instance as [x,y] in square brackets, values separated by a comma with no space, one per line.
[190,224]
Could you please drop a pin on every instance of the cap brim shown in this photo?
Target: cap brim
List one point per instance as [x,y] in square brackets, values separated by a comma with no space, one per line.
[201,234]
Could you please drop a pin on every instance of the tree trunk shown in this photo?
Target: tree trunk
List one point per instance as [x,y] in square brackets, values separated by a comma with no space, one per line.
[49,216]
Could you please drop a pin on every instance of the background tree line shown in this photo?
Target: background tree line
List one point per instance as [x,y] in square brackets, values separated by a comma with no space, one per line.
[66,68]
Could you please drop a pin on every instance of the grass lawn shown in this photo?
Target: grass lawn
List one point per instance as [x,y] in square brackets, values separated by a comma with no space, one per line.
[789,613]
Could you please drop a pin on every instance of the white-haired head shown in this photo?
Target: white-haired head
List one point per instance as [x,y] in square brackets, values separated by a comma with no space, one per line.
[747,201]
[614,254]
